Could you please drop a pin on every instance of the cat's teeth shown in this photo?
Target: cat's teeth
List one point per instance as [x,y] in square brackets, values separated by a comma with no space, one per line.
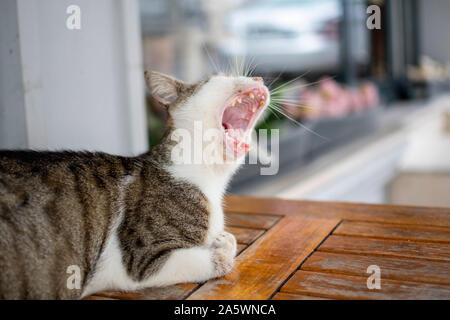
[233,103]
[251,95]
[239,100]
[253,109]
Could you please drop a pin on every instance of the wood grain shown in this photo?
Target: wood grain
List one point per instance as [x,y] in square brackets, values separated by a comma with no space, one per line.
[290,296]
[263,267]
[175,292]
[341,210]
[391,248]
[391,268]
[245,235]
[258,221]
[393,231]
[337,286]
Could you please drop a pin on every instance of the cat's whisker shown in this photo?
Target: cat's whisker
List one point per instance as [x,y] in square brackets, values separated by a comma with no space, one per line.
[274,80]
[273,112]
[212,61]
[288,103]
[230,67]
[277,109]
[300,106]
[240,62]
[233,66]
[285,99]
[246,67]
[251,67]
[300,86]
[289,82]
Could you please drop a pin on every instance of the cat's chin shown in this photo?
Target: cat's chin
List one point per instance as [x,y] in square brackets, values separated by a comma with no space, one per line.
[239,116]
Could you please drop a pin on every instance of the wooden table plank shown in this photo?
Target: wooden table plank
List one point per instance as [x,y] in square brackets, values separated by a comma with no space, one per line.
[245,235]
[341,210]
[175,292]
[263,267]
[258,221]
[278,235]
[290,296]
[391,268]
[393,231]
[337,286]
[391,248]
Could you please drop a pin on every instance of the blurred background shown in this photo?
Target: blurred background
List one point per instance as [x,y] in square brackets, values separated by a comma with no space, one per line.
[362,86]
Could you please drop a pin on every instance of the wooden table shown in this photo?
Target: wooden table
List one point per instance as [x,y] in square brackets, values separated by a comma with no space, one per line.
[317,250]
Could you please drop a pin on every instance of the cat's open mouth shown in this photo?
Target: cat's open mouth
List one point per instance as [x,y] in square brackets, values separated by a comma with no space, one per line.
[239,117]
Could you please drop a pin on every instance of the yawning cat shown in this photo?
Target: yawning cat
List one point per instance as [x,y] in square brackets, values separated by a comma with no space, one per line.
[128,223]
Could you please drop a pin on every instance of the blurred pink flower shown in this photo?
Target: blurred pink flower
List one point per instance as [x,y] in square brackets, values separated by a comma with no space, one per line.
[330,99]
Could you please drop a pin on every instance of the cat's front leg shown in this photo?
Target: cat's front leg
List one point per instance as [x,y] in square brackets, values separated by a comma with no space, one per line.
[197,264]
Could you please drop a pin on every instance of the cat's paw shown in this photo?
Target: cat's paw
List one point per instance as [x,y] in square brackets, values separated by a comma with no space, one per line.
[224,251]
[225,241]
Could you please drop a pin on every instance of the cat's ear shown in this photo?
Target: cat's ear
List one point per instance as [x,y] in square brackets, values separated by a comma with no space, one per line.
[165,89]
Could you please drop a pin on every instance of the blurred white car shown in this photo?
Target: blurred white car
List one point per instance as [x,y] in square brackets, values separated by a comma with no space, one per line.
[291,35]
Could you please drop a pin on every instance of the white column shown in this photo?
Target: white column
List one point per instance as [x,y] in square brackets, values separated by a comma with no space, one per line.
[73,89]
[13,133]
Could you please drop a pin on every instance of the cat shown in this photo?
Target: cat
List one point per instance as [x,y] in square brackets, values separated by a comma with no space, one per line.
[127,223]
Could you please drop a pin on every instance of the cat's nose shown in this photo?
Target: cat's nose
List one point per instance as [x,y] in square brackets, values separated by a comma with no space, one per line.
[259,79]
